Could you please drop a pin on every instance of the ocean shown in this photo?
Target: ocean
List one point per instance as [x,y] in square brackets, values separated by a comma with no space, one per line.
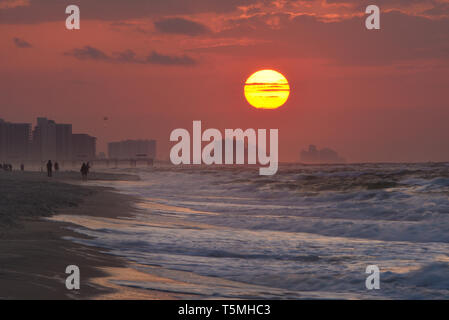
[308,232]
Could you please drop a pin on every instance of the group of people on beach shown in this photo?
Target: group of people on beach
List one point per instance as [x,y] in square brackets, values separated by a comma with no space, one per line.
[84,169]
[50,167]
[6,167]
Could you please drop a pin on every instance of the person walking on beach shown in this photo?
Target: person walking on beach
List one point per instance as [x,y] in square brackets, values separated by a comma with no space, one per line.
[56,167]
[49,168]
[22,167]
[84,170]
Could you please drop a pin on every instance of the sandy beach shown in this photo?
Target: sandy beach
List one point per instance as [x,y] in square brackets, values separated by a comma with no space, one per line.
[33,253]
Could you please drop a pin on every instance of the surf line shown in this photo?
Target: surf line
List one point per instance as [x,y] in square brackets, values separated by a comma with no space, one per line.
[212,153]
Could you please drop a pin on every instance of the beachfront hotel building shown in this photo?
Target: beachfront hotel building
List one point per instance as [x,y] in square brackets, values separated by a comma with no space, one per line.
[132,149]
[51,140]
[64,143]
[84,147]
[14,141]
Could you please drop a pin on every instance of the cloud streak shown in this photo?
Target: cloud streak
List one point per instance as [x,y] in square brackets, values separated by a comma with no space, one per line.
[181,26]
[129,56]
[6,4]
[53,10]
[88,53]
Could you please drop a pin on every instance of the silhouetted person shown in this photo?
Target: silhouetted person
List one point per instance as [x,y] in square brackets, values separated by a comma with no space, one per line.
[49,168]
[84,170]
[87,167]
[56,167]
[22,167]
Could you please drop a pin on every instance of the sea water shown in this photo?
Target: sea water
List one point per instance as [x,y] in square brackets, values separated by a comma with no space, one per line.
[306,232]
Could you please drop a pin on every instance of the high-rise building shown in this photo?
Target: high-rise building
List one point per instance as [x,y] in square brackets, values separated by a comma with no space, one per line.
[63,142]
[14,141]
[3,140]
[83,147]
[44,140]
[52,141]
[132,149]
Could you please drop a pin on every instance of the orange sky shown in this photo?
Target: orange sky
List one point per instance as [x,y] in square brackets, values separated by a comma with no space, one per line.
[153,66]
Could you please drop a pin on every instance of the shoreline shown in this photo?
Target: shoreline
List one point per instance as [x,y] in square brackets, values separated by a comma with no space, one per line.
[35,251]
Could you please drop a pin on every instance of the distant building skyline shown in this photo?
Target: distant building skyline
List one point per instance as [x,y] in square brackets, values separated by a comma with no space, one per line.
[132,149]
[325,155]
[48,140]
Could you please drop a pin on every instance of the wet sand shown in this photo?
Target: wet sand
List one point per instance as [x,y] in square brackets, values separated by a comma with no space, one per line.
[33,253]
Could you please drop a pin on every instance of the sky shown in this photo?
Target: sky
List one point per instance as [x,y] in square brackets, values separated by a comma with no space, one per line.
[151,66]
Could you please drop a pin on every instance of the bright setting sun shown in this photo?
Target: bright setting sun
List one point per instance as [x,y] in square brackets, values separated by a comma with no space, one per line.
[266,89]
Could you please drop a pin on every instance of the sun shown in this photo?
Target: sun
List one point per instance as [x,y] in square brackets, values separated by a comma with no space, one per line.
[266,89]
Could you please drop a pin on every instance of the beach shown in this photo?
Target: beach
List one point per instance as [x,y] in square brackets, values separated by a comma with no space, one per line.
[34,253]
